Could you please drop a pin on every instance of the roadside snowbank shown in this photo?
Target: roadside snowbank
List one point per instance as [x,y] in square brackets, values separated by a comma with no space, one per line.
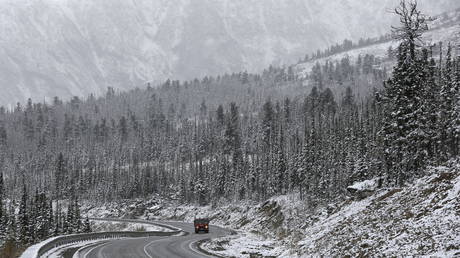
[33,250]
[100,226]
[244,245]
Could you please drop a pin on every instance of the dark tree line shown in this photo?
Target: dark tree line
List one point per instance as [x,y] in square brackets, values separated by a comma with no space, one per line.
[36,219]
[346,45]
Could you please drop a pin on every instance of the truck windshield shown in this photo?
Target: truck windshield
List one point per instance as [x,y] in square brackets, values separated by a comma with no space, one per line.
[201,221]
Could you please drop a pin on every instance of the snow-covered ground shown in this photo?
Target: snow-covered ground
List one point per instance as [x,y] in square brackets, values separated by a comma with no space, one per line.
[422,219]
[100,226]
[244,244]
[419,220]
[33,250]
[449,33]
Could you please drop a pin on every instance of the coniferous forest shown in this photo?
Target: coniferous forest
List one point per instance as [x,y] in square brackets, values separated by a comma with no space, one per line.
[237,136]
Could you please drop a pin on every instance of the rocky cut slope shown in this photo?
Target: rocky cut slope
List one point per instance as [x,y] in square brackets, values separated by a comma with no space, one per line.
[78,47]
[420,220]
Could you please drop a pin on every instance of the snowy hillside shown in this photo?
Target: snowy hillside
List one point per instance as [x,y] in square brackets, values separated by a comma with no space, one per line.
[72,47]
[446,29]
[422,219]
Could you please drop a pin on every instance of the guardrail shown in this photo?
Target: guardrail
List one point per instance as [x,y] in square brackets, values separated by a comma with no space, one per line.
[40,249]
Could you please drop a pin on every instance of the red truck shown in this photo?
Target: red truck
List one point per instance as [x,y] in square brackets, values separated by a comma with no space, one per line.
[201,225]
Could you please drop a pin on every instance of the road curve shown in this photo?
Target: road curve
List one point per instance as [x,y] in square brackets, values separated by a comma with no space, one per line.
[156,246]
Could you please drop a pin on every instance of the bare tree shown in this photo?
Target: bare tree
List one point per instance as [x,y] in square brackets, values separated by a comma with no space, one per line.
[412,25]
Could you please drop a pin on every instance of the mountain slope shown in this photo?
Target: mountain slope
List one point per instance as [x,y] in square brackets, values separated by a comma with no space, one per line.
[446,29]
[72,47]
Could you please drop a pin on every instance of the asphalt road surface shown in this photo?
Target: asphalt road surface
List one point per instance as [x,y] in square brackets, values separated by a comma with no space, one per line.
[183,246]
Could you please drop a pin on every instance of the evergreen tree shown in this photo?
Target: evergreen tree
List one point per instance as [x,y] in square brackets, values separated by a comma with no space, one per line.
[317,76]
[24,233]
[2,212]
[87,226]
[281,165]
[123,129]
[267,123]
[449,102]
[220,115]
[403,134]
[57,229]
[430,106]
[3,135]
[454,114]
[59,176]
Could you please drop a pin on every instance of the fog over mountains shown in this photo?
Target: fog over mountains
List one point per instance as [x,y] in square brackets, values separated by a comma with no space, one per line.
[77,47]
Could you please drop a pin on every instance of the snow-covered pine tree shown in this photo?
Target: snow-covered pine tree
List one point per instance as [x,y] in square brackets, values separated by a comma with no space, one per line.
[57,227]
[2,209]
[77,221]
[267,124]
[49,216]
[3,135]
[317,76]
[294,173]
[182,194]
[447,105]
[123,129]
[87,226]
[34,217]
[41,224]
[451,76]
[305,166]
[430,106]
[454,122]
[281,169]
[11,225]
[402,132]
[201,192]
[59,174]
[233,136]
[23,226]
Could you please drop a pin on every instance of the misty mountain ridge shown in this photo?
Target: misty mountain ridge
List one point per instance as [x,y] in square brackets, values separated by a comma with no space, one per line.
[65,48]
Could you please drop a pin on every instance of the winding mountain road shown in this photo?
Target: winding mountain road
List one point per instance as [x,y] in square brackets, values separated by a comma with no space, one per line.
[184,245]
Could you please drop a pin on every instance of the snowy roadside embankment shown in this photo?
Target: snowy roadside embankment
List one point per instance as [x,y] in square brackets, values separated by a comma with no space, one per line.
[422,219]
[419,220]
[32,251]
